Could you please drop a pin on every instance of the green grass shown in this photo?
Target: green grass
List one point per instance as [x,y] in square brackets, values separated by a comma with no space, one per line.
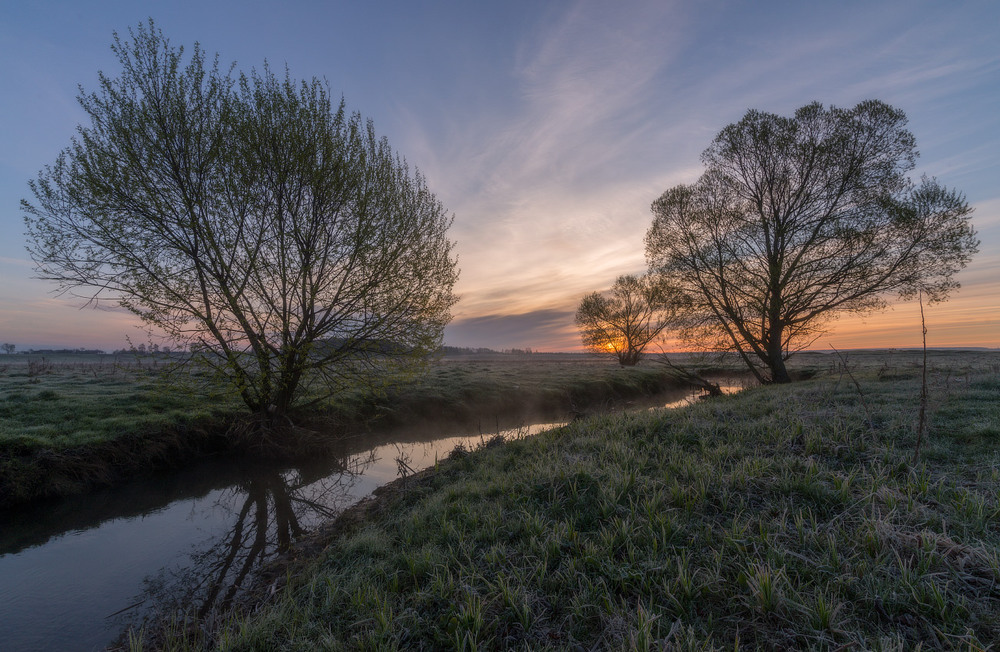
[72,401]
[496,385]
[72,422]
[782,517]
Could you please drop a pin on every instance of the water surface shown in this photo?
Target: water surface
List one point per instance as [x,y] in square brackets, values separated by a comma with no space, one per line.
[75,572]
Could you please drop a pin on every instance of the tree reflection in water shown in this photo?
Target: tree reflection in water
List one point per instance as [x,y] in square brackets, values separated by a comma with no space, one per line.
[268,512]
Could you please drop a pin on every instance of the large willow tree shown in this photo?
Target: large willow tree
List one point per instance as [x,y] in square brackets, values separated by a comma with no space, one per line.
[796,220]
[249,217]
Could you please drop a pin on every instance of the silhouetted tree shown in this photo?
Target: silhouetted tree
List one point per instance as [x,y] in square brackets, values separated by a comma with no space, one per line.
[798,219]
[8,348]
[249,219]
[624,321]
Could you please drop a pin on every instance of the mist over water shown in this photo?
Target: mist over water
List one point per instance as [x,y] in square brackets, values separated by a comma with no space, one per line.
[77,572]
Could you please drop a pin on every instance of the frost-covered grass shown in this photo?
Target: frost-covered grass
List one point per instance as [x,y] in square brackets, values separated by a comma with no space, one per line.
[60,402]
[68,401]
[782,517]
[72,422]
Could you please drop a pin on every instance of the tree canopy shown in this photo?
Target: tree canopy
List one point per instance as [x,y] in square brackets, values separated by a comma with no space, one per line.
[623,322]
[248,217]
[797,219]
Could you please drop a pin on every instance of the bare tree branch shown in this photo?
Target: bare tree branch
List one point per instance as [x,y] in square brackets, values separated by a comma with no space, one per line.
[796,220]
[247,217]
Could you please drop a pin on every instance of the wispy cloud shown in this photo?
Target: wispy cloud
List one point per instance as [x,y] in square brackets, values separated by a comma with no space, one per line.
[545,330]
[551,199]
[609,108]
[549,128]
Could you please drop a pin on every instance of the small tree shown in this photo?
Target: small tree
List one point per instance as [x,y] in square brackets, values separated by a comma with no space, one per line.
[796,220]
[623,322]
[8,348]
[251,220]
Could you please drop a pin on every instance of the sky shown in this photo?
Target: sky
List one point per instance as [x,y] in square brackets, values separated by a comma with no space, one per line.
[547,128]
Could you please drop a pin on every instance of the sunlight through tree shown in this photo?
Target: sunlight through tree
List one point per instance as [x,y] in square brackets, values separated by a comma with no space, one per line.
[249,218]
[796,220]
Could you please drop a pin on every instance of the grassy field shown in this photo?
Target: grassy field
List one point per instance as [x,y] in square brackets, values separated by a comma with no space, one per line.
[474,386]
[781,517]
[59,402]
[71,422]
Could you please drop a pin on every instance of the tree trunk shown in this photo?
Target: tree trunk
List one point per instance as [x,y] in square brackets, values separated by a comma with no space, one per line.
[779,374]
[629,357]
[776,358]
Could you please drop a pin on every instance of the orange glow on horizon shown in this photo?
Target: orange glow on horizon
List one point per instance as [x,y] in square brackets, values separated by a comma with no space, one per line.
[970,319]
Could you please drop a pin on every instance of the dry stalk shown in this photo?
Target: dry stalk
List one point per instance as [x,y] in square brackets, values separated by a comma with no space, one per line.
[690,377]
[922,421]
[857,386]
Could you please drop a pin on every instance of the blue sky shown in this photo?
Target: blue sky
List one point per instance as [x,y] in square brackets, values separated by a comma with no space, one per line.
[548,128]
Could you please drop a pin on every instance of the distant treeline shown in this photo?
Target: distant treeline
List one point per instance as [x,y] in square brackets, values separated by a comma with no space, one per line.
[153,349]
[62,351]
[465,350]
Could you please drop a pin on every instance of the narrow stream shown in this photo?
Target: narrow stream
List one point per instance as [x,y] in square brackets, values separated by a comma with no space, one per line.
[75,573]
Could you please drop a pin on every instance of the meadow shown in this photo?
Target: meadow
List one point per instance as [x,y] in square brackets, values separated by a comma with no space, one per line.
[72,422]
[781,517]
[64,401]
